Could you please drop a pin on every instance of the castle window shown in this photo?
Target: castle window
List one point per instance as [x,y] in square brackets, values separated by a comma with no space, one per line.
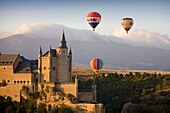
[4,68]
[63,51]
[15,95]
[8,81]
[24,82]
[28,82]
[44,68]
[18,82]
[14,82]
[21,82]
[59,51]
[53,67]
[4,81]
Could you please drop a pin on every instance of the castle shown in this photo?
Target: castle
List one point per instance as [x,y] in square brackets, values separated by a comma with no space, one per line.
[53,69]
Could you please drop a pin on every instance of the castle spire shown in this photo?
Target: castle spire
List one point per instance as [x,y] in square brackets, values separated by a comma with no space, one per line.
[40,50]
[50,48]
[70,52]
[63,42]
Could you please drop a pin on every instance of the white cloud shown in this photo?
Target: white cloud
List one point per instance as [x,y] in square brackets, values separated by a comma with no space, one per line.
[54,31]
[143,38]
[4,34]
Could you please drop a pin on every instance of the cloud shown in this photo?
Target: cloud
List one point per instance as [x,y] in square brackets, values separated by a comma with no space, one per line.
[141,38]
[54,31]
[144,38]
[4,34]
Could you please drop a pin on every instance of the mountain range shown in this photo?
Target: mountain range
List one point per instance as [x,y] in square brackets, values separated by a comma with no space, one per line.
[120,51]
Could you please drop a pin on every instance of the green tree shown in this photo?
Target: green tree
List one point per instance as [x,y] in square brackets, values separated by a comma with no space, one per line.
[64,109]
[53,110]
[41,108]
[9,109]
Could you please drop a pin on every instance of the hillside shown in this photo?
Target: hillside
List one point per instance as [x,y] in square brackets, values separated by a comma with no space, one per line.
[158,102]
[118,90]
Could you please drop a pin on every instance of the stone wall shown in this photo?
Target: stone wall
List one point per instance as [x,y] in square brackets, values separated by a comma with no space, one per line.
[90,108]
[86,96]
[64,87]
[6,73]
[12,90]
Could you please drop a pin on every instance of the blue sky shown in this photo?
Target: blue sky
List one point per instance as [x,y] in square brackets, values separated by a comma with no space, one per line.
[152,15]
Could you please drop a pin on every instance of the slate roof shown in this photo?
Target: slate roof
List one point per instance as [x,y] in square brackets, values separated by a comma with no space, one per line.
[25,66]
[7,59]
[53,51]
[63,42]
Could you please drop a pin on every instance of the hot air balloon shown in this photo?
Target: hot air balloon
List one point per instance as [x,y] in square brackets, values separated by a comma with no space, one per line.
[96,64]
[127,23]
[93,18]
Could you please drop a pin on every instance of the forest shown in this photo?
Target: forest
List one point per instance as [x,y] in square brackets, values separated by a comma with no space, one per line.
[148,93]
[114,90]
[29,106]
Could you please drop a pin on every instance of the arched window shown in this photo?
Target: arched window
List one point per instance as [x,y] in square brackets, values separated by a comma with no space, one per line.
[53,67]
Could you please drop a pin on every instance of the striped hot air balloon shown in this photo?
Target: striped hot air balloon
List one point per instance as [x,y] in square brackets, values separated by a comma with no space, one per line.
[127,23]
[93,18]
[96,64]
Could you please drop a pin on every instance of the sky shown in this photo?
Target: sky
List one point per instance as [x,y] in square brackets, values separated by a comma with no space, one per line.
[151,15]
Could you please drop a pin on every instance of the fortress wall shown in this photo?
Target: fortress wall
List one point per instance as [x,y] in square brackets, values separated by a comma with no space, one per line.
[86,96]
[23,78]
[91,108]
[68,88]
[64,87]
[11,90]
[6,73]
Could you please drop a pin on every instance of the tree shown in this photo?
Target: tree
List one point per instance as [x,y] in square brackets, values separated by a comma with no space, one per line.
[9,109]
[53,110]
[31,106]
[41,108]
[64,109]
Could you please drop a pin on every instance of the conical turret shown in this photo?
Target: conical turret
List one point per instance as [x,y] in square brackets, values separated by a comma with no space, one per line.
[63,42]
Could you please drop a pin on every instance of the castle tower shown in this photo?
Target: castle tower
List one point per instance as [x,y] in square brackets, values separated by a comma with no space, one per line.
[50,62]
[63,61]
[52,65]
[70,64]
[40,64]
[94,88]
[76,87]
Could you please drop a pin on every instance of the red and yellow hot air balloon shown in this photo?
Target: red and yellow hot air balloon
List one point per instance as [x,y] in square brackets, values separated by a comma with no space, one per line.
[93,18]
[127,23]
[96,64]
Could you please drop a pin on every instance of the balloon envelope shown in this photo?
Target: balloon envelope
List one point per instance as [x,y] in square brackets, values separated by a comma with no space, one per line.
[127,23]
[93,18]
[96,64]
